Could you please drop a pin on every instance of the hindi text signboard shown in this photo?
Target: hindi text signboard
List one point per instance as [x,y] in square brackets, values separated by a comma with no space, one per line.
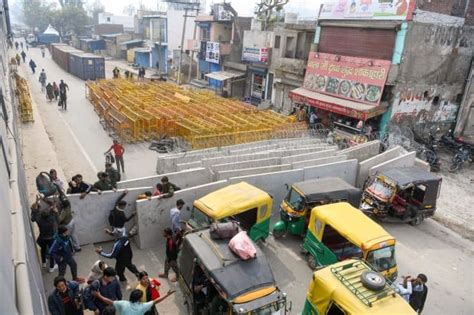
[368,9]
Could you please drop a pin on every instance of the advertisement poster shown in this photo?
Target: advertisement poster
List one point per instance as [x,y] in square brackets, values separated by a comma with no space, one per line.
[357,79]
[253,54]
[212,52]
[368,9]
[221,13]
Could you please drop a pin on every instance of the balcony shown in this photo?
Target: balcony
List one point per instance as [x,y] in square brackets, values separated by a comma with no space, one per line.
[289,65]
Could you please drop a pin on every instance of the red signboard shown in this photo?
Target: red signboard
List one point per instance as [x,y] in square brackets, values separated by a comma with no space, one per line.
[357,79]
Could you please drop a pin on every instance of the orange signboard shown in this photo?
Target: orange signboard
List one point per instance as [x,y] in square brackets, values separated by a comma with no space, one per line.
[357,79]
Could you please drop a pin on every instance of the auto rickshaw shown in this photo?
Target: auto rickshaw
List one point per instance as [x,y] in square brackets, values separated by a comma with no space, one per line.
[352,287]
[401,195]
[295,209]
[249,206]
[339,231]
[216,281]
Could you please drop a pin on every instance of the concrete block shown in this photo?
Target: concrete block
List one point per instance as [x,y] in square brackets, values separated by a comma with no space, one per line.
[363,151]
[405,160]
[220,175]
[183,179]
[245,164]
[422,164]
[299,151]
[317,153]
[91,213]
[236,158]
[366,165]
[188,165]
[273,183]
[320,161]
[347,170]
[153,215]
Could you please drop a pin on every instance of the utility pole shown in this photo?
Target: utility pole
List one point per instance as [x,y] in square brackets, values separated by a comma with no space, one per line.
[192,51]
[182,43]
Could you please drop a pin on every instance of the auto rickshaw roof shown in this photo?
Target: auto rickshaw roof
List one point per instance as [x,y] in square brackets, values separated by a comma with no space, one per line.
[352,224]
[327,287]
[326,188]
[406,175]
[231,200]
[234,276]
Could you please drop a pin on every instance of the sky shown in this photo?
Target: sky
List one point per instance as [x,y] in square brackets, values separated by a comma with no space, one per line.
[305,8]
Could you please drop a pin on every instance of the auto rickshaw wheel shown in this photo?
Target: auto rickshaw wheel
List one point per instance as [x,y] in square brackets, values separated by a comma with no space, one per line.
[417,220]
[372,280]
[278,233]
[312,263]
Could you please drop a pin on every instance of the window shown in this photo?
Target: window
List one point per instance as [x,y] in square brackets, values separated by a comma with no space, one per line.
[419,193]
[290,49]
[339,245]
[108,19]
[334,309]
[247,218]
[205,34]
[263,211]
[317,226]
[277,42]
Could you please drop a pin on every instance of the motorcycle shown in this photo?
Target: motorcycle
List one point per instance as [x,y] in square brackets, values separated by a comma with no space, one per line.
[449,141]
[465,154]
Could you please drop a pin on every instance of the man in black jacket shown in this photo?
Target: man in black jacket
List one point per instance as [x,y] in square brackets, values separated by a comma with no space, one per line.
[419,293]
[108,287]
[117,217]
[122,253]
[65,298]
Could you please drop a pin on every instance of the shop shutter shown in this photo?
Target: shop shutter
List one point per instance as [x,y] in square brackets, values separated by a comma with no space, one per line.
[358,42]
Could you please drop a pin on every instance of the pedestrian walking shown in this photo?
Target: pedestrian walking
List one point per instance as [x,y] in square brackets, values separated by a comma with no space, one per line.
[107,286]
[103,184]
[42,80]
[123,255]
[168,188]
[32,66]
[116,73]
[46,219]
[21,45]
[175,216]
[55,90]
[49,92]
[27,47]
[117,217]
[16,45]
[133,306]
[18,59]
[114,175]
[150,288]
[65,298]
[419,293]
[43,51]
[118,152]
[172,249]
[63,88]
[23,56]
[62,251]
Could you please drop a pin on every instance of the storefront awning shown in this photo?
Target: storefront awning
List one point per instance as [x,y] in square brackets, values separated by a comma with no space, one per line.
[337,105]
[224,75]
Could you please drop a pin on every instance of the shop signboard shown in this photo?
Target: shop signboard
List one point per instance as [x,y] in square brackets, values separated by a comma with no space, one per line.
[356,79]
[368,9]
[253,54]
[212,52]
[221,14]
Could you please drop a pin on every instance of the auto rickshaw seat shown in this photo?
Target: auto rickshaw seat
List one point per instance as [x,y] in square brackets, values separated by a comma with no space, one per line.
[399,204]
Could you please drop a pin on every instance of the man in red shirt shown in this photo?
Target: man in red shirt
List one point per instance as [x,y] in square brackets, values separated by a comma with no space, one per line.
[118,151]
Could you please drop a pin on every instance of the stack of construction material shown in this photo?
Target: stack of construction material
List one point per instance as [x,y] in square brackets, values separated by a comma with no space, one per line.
[143,111]
[24,99]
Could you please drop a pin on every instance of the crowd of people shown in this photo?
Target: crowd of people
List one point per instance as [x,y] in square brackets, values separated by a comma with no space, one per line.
[100,291]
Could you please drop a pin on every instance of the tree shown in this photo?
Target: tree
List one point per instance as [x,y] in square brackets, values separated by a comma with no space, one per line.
[70,19]
[94,9]
[38,14]
[267,11]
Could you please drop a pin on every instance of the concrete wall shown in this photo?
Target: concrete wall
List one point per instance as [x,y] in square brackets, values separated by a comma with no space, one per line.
[422,164]
[347,170]
[405,160]
[236,158]
[366,165]
[184,179]
[153,215]
[220,175]
[273,183]
[91,213]
[362,151]
[320,161]
[187,166]
[245,164]
[318,152]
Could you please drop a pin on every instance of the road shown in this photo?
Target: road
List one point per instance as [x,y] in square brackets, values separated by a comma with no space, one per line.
[78,141]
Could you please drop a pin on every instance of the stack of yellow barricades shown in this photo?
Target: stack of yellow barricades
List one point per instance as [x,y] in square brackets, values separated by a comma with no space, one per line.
[24,99]
[140,111]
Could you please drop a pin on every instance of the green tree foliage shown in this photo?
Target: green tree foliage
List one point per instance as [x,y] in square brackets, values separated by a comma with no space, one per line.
[38,14]
[71,19]
[268,11]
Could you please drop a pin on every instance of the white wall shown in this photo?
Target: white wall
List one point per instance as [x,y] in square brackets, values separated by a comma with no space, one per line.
[175,29]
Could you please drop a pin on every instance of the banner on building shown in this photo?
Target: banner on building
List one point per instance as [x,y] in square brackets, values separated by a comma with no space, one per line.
[358,79]
[255,54]
[212,52]
[221,14]
[368,9]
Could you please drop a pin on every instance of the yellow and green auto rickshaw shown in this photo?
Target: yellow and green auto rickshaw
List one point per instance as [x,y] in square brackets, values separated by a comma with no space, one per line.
[353,287]
[295,209]
[249,206]
[339,231]
[216,281]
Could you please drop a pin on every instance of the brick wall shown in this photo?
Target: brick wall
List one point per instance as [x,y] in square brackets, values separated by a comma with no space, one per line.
[449,7]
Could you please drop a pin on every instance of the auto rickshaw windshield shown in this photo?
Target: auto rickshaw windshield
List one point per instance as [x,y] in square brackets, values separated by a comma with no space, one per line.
[199,219]
[295,200]
[383,258]
[381,189]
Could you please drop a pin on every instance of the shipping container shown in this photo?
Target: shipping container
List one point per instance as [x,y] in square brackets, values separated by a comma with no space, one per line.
[60,54]
[87,66]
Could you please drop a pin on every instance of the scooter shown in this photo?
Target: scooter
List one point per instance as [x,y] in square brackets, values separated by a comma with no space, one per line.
[465,154]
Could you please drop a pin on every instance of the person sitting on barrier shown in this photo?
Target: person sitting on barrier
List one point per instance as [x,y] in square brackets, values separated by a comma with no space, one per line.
[103,183]
[158,190]
[168,188]
[78,186]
